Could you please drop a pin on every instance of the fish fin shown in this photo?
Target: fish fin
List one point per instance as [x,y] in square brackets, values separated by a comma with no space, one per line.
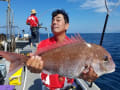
[45,71]
[77,38]
[12,72]
[86,69]
[16,60]
[14,68]
[12,57]
[74,39]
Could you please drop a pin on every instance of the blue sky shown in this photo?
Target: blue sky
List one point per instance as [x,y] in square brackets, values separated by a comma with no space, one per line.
[86,16]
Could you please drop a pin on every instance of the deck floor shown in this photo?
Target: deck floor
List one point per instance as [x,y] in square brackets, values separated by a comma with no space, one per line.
[33,81]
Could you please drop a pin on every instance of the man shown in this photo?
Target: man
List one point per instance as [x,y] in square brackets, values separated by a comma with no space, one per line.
[34,23]
[59,26]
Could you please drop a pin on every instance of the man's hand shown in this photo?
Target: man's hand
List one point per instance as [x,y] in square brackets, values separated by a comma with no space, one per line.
[35,64]
[89,76]
[61,78]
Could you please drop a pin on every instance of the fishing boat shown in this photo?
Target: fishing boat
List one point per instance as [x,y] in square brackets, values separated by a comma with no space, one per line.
[23,79]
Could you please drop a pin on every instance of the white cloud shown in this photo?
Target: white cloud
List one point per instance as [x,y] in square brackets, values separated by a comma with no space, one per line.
[98,5]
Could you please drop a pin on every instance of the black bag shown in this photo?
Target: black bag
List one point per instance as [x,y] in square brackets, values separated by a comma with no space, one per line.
[1,78]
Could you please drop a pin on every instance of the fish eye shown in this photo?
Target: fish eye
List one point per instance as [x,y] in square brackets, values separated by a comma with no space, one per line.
[105,58]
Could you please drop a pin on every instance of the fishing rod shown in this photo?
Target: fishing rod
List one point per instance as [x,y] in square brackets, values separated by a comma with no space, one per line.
[115,4]
[105,24]
[40,26]
[46,11]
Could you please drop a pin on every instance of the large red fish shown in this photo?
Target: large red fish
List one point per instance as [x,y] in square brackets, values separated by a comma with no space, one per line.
[68,59]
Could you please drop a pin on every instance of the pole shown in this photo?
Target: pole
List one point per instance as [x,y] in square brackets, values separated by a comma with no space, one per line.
[9,24]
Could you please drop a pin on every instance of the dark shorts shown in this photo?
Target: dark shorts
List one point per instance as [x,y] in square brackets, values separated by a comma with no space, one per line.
[35,34]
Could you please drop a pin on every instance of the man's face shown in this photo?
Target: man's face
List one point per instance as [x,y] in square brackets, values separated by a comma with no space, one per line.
[58,24]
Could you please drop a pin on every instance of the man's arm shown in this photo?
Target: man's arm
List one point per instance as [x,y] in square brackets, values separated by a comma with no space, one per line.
[27,21]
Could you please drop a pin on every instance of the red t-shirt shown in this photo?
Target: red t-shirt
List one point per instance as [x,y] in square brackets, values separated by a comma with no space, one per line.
[52,81]
[33,21]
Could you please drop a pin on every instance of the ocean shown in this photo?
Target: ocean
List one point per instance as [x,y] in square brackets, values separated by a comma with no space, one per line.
[111,43]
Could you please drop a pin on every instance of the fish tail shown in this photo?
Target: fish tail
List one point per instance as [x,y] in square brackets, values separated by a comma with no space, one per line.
[16,60]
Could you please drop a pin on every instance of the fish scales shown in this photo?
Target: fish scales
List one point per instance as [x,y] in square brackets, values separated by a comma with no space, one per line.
[59,60]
